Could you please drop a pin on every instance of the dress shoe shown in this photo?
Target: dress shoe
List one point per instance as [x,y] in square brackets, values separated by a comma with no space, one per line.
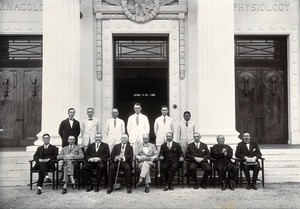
[128,190]
[171,187]
[248,186]
[97,189]
[203,185]
[231,185]
[196,186]
[166,188]
[109,190]
[254,186]
[39,191]
[74,186]
[147,189]
[223,186]
[90,188]
[64,191]
[138,184]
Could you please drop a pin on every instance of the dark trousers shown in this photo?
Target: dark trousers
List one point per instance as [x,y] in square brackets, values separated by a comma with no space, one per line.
[255,169]
[169,170]
[43,170]
[87,171]
[125,166]
[193,170]
[232,169]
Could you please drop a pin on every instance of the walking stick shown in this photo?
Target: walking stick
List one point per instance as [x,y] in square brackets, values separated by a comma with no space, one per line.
[117,186]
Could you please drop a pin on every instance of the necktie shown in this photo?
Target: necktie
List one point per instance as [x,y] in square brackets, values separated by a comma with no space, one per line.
[115,123]
[46,147]
[137,119]
[123,146]
[71,148]
[97,145]
[169,145]
[164,119]
[186,124]
[197,145]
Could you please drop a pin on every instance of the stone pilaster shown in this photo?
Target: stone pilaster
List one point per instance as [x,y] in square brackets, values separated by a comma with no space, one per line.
[61,64]
[216,92]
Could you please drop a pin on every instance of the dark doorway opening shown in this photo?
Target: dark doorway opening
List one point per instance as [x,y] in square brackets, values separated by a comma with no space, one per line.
[141,73]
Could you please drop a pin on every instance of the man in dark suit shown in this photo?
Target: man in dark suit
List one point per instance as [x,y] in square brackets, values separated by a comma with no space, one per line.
[222,153]
[248,151]
[69,127]
[170,155]
[43,157]
[122,153]
[198,155]
[96,156]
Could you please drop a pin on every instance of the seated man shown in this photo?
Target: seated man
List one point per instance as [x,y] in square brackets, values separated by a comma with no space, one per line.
[249,152]
[69,154]
[222,154]
[96,156]
[146,154]
[198,155]
[170,154]
[122,155]
[43,156]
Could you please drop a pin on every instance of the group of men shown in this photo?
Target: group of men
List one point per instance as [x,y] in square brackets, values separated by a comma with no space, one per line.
[122,150]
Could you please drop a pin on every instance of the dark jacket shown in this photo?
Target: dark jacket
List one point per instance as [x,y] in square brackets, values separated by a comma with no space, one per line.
[65,131]
[173,154]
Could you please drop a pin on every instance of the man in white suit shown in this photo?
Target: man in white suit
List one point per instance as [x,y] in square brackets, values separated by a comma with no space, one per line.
[186,131]
[162,125]
[137,126]
[114,128]
[90,127]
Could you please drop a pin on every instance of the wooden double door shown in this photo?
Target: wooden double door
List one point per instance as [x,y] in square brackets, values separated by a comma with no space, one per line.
[261,88]
[20,105]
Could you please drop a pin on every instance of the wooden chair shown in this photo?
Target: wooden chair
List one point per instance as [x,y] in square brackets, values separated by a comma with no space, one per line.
[153,169]
[199,169]
[261,169]
[179,177]
[53,171]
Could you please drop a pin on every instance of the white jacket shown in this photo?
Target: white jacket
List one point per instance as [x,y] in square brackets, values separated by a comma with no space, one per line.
[114,133]
[161,129]
[135,131]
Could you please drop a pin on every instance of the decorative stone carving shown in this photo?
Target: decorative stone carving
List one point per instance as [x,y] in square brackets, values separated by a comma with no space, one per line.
[272,80]
[246,82]
[8,82]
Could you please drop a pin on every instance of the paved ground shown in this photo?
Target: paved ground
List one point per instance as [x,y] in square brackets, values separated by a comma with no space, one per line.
[275,196]
[272,196]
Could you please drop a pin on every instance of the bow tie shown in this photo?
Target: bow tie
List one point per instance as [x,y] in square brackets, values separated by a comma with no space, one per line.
[71,119]
[90,118]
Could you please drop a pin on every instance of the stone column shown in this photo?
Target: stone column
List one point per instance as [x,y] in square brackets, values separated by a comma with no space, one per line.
[216,91]
[61,65]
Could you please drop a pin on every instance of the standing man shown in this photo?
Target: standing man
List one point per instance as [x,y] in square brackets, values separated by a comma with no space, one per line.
[90,127]
[43,157]
[198,155]
[69,154]
[186,131]
[137,125]
[162,125]
[170,154]
[69,127]
[146,156]
[222,153]
[96,156]
[249,152]
[114,128]
[122,153]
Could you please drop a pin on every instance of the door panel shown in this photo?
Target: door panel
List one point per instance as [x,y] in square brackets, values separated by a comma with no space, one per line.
[10,107]
[20,105]
[32,104]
